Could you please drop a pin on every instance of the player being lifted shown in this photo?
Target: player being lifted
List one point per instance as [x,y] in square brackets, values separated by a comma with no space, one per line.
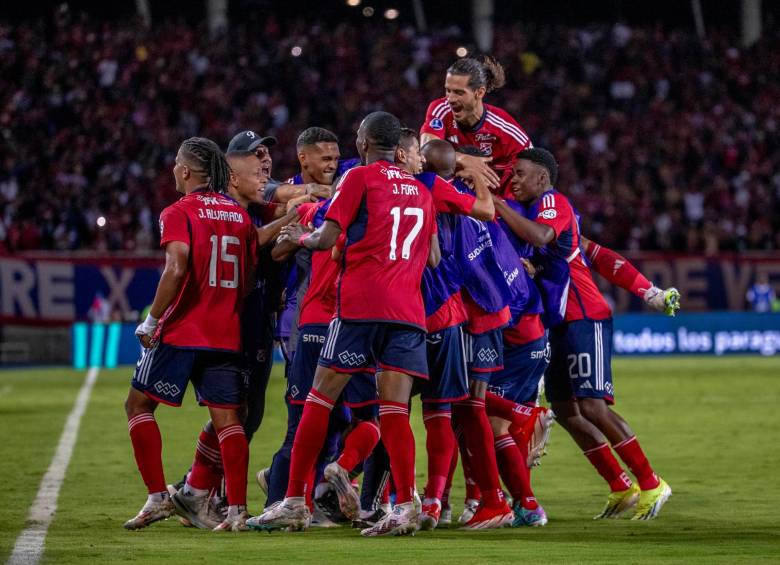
[210,248]
[579,380]
[389,220]
[464,119]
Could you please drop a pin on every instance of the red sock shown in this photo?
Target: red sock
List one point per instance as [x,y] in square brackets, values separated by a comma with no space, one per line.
[359,444]
[206,472]
[478,437]
[605,463]
[617,270]
[399,441]
[147,446]
[499,407]
[235,459]
[472,490]
[440,444]
[633,456]
[309,439]
[445,497]
[514,471]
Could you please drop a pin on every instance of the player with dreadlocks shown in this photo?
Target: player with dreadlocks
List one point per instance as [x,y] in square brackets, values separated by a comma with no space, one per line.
[193,332]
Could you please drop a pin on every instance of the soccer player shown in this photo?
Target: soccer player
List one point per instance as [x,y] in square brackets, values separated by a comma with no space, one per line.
[463,118]
[245,186]
[210,250]
[579,380]
[389,220]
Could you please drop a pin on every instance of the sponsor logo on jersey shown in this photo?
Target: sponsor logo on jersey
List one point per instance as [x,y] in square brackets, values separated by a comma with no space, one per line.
[484,137]
[436,123]
[549,214]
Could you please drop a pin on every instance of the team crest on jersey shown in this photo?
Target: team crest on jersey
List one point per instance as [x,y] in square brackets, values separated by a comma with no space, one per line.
[436,123]
[549,214]
[486,148]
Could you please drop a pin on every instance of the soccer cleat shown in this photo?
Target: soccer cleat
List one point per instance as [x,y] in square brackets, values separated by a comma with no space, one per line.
[152,511]
[329,504]
[537,446]
[234,522]
[490,518]
[366,520]
[651,501]
[320,520]
[446,515]
[430,514]
[194,509]
[619,502]
[262,477]
[349,501]
[284,515]
[666,301]
[524,517]
[469,509]
[402,521]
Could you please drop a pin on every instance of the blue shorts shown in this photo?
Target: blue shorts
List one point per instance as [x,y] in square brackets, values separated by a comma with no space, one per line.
[524,366]
[354,347]
[448,377]
[580,361]
[162,374]
[485,354]
[360,390]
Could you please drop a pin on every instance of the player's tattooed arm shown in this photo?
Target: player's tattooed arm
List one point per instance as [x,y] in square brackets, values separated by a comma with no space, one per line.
[176,259]
[534,233]
[323,238]
[286,192]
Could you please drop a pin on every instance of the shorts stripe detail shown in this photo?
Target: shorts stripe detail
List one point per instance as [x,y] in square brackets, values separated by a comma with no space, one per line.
[139,419]
[599,361]
[225,433]
[463,355]
[330,342]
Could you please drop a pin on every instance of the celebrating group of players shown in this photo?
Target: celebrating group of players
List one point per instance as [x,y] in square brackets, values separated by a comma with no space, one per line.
[445,265]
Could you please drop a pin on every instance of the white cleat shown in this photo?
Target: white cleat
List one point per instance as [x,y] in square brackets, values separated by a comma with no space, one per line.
[262,480]
[349,502]
[234,522]
[402,521]
[194,510]
[469,509]
[153,511]
[284,515]
[540,438]
[320,520]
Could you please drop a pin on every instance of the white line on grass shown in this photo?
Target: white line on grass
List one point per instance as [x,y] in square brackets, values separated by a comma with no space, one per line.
[29,544]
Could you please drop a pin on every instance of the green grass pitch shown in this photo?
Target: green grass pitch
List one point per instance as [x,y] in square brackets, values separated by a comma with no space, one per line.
[710,426]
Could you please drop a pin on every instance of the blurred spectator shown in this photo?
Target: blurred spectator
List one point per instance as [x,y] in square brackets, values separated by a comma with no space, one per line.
[761,296]
[664,141]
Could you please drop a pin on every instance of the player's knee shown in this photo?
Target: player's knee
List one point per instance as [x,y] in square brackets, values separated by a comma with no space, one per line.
[137,403]
[499,425]
[477,389]
[593,409]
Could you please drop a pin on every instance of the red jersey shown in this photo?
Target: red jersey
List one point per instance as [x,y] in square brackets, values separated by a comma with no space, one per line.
[223,253]
[481,321]
[319,302]
[389,219]
[496,134]
[584,299]
[527,329]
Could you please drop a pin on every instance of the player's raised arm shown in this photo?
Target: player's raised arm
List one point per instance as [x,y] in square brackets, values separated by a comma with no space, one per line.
[434,254]
[534,233]
[619,271]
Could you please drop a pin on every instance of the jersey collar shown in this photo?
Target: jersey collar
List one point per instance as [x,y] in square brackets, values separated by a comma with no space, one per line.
[478,125]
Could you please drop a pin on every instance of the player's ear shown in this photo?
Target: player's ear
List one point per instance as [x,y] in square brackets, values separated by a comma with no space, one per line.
[479,93]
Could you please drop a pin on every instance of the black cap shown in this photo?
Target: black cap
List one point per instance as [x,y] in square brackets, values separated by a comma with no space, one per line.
[248,141]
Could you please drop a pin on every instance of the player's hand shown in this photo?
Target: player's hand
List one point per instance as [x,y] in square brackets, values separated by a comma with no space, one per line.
[318,190]
[660,300]
[479,165]
[293,232]
[146,330]
[293,203]
[529,267]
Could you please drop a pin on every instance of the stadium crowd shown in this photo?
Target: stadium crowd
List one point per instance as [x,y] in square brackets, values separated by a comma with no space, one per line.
[664,142]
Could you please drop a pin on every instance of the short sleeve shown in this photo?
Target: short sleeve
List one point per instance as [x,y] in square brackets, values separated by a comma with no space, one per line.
[174,226]
[447,199]
[554,211]
[434,123]
[347,198]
